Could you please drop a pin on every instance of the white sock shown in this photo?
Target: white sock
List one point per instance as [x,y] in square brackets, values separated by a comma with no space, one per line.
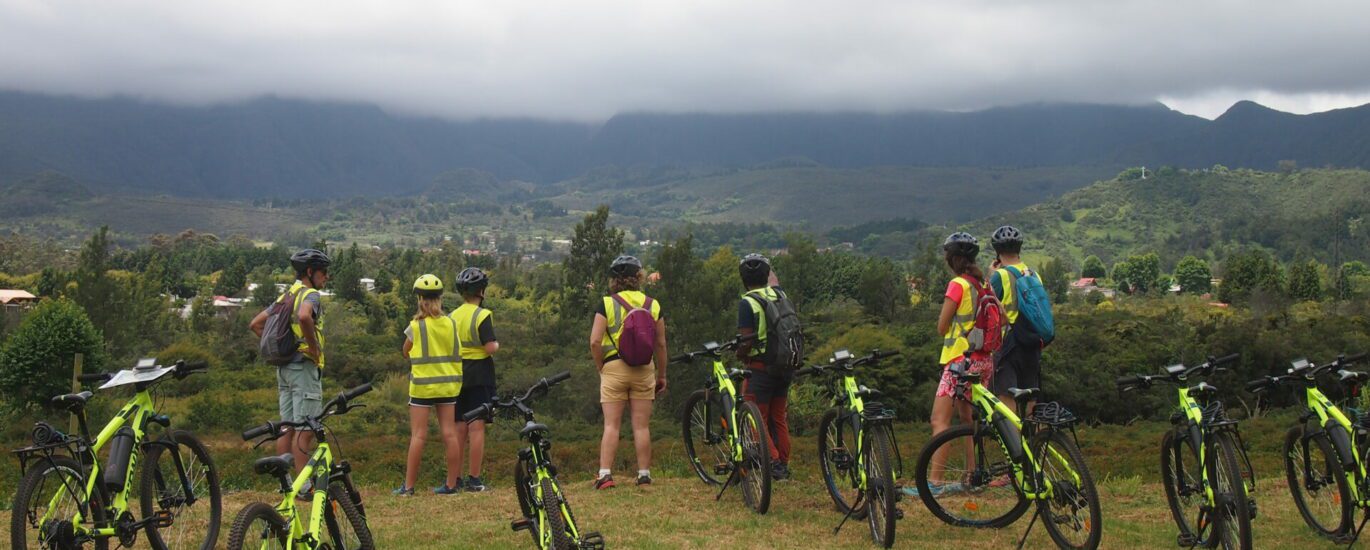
[604,472]
[641,473]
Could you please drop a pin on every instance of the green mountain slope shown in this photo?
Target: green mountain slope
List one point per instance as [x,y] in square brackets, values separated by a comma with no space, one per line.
[1310,213]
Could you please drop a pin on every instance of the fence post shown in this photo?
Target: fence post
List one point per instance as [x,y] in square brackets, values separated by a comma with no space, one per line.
[72,427]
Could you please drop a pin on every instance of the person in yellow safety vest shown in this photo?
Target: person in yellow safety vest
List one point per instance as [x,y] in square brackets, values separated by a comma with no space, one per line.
[620,384]
[476,327]
[300,382]
[432,344]
[954,323]
[1017,365]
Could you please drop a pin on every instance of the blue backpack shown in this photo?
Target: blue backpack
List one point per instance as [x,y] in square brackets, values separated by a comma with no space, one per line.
[1034,306]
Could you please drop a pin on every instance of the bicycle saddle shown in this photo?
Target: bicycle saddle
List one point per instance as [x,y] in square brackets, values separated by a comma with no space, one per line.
[275,466]
[1352,376]
[72,401]
[736,374]
[1021,393]
[533,427]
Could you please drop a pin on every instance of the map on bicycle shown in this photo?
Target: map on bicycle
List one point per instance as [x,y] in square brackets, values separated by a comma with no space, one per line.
[147,370]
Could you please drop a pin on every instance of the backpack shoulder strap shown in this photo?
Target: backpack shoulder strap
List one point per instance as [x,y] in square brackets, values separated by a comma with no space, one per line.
[622,301]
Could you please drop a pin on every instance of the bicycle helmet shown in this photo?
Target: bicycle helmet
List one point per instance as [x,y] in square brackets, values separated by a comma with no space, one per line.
[1006,235]
[754,269]
[471,280]
[625,266]
[307,258]
[428,286]
[962,243]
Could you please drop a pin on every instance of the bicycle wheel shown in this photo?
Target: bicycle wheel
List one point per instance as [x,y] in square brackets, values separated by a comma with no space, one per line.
[348,532]
[1234,515]
[258,527]
[555,534]
[194,524]
[1182,476]
[756,458]
[522,488]
[880,491]
[1071,516]
[705,429]
[1318,482]
[967,479]
[837,461]
[52,489]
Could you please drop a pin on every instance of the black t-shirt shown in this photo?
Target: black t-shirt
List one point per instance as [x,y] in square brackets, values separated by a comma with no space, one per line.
[480,372]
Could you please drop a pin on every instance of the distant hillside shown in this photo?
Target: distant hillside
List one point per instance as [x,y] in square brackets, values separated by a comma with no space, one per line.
[287,148]
[1306,214]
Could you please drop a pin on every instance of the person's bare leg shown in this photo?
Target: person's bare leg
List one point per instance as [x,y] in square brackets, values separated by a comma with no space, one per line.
[447,420]
[418,432]
[303,447]
[942,409]
[642,433]
[608,445]
[475,436]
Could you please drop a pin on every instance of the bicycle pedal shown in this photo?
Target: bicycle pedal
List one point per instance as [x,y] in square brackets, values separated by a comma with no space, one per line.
[723,469]
[592,541]
[162,519]
[1187,541]
[521,524]
[1251,507]
[898,513]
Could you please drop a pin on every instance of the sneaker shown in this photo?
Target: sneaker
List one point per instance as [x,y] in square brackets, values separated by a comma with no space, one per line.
[780,471]
[606,482]
[444,489]
[403,491]
[644,480]
[1001,481]
[475,485]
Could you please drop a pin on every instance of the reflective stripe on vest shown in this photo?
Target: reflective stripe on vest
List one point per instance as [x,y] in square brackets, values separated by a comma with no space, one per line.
[299,291]
[954,341]
[1008,282]
[614,330]
[469,327]
[767,293]
[435,370]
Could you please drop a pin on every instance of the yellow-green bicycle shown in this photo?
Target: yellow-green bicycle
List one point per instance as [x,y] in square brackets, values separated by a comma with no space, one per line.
[68,499]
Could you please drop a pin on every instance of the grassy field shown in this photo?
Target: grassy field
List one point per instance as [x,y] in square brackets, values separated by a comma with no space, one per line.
[680,512]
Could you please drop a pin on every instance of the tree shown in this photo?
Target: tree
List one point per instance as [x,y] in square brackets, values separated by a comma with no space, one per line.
[346,275]
[1248,272]
[593,248]
[882,290]
[1193,275]
[1352,279]
[36,362]
[1305,283]
[1093,268]
[51,281]
[265,293]
[232,279]
[1055,276]
[95,291]
[1139,274]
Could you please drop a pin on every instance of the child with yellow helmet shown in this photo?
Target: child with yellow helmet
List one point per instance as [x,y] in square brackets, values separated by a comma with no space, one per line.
[432,346]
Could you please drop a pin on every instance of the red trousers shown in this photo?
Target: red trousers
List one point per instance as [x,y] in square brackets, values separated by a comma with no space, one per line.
[775,416]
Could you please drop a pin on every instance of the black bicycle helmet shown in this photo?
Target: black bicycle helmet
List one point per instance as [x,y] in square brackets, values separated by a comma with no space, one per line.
[625,266]
[962,243]
[754,269]
[1007,234]
[307,258]
[472,279]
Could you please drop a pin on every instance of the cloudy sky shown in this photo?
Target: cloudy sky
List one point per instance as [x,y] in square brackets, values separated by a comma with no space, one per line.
[589,59]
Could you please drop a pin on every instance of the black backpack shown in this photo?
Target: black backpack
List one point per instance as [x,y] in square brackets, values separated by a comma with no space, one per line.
[784,343]
[279,343]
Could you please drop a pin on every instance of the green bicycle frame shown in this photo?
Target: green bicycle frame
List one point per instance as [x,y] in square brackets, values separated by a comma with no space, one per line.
[726,388]
[857,406]
[135,415]
[1191,409]
[318,468]
[544,531]
[997,414]
[1326,411]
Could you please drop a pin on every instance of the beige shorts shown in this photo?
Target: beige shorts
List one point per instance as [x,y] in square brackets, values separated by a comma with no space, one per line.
[620,382]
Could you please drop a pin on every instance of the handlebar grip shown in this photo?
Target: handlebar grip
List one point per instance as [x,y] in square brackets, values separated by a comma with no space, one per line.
[1258,385]
[477,413]
[805,371]
[1127,380]
[681,358]
[1353,358]
[884,354]
[93,377]
[357,391]
[256,432]
[558,378]
[1225,359]
[196,366]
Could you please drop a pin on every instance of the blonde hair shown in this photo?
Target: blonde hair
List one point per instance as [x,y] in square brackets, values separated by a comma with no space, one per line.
[429,308]
[630,282]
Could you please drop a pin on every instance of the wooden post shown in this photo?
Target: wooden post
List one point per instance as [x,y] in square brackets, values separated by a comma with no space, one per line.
[72,427]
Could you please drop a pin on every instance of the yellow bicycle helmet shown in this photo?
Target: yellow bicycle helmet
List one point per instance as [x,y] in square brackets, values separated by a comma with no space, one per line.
[428,286]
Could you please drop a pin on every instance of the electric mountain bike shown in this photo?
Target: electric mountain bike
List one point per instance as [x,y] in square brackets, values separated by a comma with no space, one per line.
[336,510]
[856,448]
[1204,466]
[1324,454]
[546,512]
[725,437]
[987,473]
[68,499]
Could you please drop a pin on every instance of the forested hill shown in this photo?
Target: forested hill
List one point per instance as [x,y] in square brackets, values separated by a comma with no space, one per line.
[278,147]
[1208,213]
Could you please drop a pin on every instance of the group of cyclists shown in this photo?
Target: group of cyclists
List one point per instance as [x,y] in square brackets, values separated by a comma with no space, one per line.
[453,373]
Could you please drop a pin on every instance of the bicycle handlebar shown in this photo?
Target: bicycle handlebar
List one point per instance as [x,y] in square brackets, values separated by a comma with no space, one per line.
[873,357]
[95,377]
[713,348]
[487,409]
[337,405]
[258,431]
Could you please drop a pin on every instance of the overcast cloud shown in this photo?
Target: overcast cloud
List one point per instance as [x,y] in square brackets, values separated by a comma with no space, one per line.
[586,59]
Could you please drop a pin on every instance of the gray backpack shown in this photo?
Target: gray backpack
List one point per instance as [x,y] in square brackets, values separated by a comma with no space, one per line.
[279,345]
[784,351]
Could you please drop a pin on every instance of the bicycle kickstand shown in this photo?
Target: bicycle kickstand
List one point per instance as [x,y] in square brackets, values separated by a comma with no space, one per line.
[728,483]
[1031,522]
[850,510]
[1356,536]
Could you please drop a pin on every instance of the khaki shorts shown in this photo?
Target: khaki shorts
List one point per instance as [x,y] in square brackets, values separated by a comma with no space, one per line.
[620,382]
[301,391]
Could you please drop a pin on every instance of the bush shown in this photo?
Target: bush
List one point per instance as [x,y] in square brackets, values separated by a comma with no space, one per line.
[210,413]
[36,362]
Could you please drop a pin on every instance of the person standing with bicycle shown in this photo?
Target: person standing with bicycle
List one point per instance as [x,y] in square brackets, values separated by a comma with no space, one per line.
[628,346]
[1018,364]
[300,380]
[763,304]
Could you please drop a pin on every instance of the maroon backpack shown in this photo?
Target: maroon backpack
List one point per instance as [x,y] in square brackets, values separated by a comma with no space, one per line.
[637,343]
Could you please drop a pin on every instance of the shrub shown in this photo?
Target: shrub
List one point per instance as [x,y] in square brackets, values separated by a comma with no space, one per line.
[36,362]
